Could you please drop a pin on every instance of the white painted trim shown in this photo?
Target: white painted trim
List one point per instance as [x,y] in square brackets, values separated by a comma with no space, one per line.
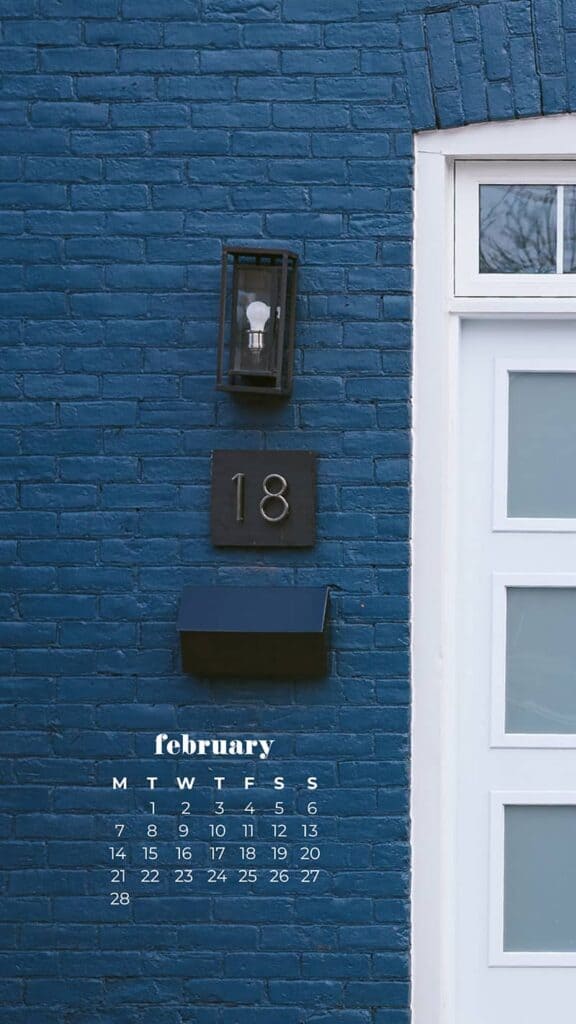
[550,138]
[434,520]
[499,736]
[498,957]
[502,521]
[500,446]
[517,308]
[435,435]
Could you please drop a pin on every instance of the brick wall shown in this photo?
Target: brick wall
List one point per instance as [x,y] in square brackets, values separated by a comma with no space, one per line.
[138,136]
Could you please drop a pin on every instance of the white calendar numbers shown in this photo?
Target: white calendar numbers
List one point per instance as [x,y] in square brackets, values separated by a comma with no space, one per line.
[216,830]
[119,865]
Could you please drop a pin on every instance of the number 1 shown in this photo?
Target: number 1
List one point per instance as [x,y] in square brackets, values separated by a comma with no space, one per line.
[238,479]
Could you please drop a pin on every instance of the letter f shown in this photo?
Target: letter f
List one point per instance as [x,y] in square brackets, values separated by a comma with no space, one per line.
[159,742]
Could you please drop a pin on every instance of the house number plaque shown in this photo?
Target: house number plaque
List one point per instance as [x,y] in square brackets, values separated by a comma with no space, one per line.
[263,499]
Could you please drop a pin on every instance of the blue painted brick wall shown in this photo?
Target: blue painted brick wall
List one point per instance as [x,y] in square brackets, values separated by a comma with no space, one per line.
[137,136]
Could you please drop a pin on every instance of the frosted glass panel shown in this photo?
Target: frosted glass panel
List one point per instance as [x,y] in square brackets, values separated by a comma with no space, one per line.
[518,229]
[540,878]
[541,659]
[542,445]
[569,229]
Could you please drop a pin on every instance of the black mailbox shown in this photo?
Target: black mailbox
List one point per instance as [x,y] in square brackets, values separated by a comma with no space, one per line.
[254,632]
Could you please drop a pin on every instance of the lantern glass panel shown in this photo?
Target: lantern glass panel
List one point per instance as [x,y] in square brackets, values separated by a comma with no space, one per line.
[256,319]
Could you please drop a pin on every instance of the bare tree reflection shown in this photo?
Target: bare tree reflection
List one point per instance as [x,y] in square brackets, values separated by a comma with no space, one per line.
[517,229]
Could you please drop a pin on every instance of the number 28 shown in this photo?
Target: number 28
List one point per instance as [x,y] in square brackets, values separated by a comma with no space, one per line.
[275,489]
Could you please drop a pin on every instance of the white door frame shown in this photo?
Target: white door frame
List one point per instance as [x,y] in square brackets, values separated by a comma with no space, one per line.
[437,319]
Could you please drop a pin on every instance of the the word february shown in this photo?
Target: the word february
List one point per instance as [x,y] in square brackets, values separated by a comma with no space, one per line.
[185,744]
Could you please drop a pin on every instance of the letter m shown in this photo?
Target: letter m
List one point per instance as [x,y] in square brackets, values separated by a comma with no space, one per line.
[120,783]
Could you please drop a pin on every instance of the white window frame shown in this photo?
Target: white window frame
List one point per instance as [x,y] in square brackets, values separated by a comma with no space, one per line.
[498,956]
[499,736]
[437,323]
[470,175]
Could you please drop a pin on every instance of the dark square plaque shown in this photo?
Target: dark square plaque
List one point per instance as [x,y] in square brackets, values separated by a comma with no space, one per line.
[264,499]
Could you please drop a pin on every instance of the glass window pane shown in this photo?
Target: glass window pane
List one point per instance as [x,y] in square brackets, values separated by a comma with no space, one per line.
[541,659]
[518,229]
[570,229]
[540,878]
[542,445]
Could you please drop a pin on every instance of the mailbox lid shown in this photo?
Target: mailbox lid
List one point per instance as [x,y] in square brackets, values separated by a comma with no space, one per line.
[277,610]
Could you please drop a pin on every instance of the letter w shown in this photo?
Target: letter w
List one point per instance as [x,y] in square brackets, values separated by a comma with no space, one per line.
[186,783]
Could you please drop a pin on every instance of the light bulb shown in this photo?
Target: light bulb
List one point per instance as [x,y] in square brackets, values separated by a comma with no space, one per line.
[258,315]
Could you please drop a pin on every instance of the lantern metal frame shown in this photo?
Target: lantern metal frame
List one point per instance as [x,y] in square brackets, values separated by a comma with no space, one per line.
[243,381]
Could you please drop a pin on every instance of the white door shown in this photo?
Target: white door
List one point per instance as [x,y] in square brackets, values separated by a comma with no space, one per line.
[514,937]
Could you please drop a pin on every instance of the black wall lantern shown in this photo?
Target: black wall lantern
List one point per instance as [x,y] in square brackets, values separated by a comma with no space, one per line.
[257,315]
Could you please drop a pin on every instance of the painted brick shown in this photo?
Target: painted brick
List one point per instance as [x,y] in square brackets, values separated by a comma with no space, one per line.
[134,33]
[465,23]
[320,62]
[72,169]
[549,40]
[469,58]
[137,138]
[82,114]
[33,140]
[239,61]
[282,35]
[412,33]
[365,34]
[162,60]
[13,113]
[321,10]
[18,8]
[442,51]
[78,59]
[115,87]
[259,1015]
[500,103]
[128,114]
[554,95]
[108,142]
[38,86]
[170,9]
[370,993]
[354,88]
[195,87]
[78,9]
[255,10]
[524,78]
[21,59]
[495,41]
[279,89]
[208,141]
[569,15]
[183,33]
[108,197]
[381,63]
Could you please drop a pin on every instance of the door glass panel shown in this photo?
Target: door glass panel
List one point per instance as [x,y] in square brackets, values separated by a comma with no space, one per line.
[541,660]
[518,229]
[542,445]
[540,878]
[569,229]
